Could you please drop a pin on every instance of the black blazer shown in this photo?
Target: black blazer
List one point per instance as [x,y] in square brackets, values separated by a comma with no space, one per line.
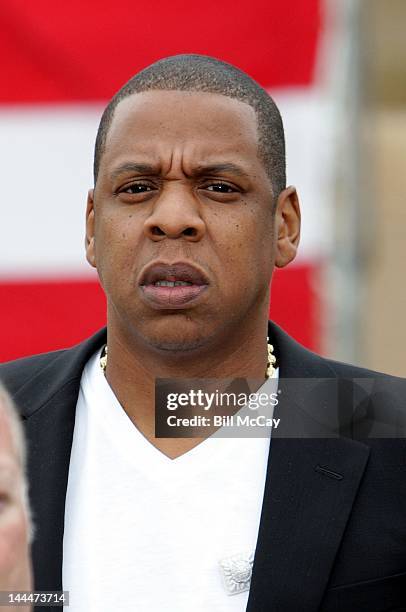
[332,535]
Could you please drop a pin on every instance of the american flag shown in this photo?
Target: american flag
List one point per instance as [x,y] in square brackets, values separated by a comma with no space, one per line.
[60,64]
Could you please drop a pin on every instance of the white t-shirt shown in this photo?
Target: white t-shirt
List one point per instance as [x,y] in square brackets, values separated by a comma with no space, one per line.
[147,533]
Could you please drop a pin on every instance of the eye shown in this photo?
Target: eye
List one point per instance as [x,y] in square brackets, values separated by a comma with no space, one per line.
[136,188]
[4,501]
[221,188]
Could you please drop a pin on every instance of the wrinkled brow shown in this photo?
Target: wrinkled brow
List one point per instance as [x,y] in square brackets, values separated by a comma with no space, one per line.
[9,468]
[200,170]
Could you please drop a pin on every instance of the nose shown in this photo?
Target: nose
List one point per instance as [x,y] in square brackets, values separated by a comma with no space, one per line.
[175,215]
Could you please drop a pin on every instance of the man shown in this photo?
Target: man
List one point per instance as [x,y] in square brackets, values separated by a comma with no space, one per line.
[15,564]
[188,217]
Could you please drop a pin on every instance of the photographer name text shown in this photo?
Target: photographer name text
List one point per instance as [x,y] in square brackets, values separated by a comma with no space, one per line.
[223,421]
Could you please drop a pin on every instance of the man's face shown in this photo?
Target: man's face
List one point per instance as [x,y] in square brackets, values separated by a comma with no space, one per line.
[15,566]
[180,225]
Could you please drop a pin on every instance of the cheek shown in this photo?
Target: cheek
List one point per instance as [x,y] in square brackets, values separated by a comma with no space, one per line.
[14,559]
[117,240]
[247,245]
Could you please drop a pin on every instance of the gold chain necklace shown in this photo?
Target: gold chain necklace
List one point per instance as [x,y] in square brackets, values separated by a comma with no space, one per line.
[270,365]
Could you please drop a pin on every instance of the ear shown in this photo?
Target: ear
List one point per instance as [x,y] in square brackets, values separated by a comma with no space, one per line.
[287,224]
[89,240]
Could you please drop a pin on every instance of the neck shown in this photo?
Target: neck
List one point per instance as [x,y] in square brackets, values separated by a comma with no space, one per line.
[133,365]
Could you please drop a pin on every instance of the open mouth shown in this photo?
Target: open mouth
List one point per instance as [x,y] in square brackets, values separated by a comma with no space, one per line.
[176,283]
[172,285]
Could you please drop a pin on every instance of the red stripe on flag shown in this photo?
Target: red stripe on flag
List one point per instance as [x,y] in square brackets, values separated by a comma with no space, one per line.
[81,51]
[42,316]
[296,304]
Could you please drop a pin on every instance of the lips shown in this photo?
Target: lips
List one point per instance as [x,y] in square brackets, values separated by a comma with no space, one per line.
[172,286]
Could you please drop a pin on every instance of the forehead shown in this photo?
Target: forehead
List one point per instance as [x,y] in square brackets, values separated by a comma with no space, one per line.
[201,124]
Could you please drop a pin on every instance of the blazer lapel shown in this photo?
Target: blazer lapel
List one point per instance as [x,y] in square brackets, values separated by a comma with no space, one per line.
[48,405]
[310,489]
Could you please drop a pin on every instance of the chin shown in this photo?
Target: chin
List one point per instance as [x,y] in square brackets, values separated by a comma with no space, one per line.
[181,336]
[176,344]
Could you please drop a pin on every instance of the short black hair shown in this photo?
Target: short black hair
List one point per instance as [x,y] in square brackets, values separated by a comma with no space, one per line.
[203,73]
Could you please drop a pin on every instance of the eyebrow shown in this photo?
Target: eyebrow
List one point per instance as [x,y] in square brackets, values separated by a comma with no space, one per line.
[202,169]
[219,168]
[138,168]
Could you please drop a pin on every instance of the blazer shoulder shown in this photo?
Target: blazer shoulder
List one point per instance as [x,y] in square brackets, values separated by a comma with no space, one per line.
[20,371]
[49,370]
[297,361]
[347,370]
